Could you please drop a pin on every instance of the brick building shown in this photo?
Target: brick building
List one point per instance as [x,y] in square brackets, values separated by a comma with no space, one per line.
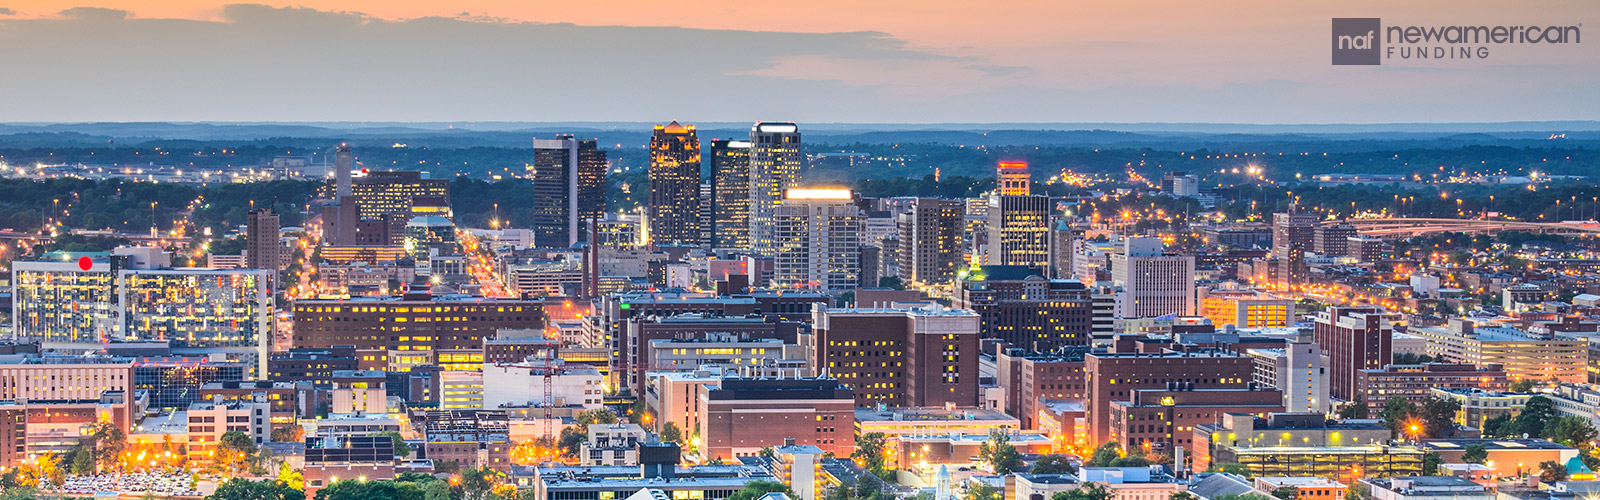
[396,333]
[1115,376]
[921,356]
[742,415]
[1020,306]
[1416,382]
[1355,339]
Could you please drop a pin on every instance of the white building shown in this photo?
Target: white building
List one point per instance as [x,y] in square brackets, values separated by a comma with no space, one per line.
[817,240]
[522,384]
[612,444]
[1300,370]
[1155,284]
[720,349]
[208,421]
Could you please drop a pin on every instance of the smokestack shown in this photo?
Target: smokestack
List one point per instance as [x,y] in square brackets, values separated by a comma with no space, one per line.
[343,162]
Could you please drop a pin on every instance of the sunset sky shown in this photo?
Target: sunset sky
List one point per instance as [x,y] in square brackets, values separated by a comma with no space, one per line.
[882,61]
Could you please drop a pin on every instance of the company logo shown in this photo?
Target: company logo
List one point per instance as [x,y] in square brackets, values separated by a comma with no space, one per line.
[1357,41]
[1364,41]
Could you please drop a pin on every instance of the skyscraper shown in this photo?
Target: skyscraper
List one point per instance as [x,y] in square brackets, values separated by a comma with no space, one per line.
[1354,338]
[569,178]
[675,185]
[262,249]
[1155,284]
[930,240]
[1293,229]
[775,163]
[1019,231]
[730,198]
[817,236]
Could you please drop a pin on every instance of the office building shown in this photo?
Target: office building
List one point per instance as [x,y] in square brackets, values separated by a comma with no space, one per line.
[569,188]
[919,356]
[1354,339]
[1245,308]
[776,162]
[525,383]
[379,194]
[1180,184]
[1154,284]
[742,415]
[59,301]
[1161,420]
[1303,444]
[1026,310]
[817,237]
[202,312]
[1063,247]
[730,193]
[344,167]
[1012,179]
[1019,231]
[263,250]
[1293,229]
[1333,240]
[1031,379]
[674,185]
[397,333]
[929,237]
[1114,376]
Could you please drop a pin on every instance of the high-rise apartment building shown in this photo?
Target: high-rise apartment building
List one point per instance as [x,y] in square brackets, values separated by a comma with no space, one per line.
[569,188]
[261,246]
[1155,284]
[674,185]
[775,165]
[921,356]
[1355,339]
[818,240]
[930,241]
[1019,231]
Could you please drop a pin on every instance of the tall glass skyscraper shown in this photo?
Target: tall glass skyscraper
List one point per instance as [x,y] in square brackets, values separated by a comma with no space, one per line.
[775,164]
[730,197]
[569,187]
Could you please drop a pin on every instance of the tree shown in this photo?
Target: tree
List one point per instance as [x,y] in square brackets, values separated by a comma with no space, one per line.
[670,433]
[1499,426]
[446,467]
[1104,455]
[289,434]
[1240,470]
[1524,385]
[1182,495]
[1576,432]
[1536,413]
[869,452]
[1000,453]
[597,416]
[1439,416]
[755,489]
[1551,471]
[244,489]
[108,443]
[1054,463]
[235,450]
[1358,491]
[1474,454]
[1131,461]
[1431,462]
[571,438]
[767,451]
[401,449]
[1087,491]
[980,490]
[1354,409]
[1286,493]
[436,490]
[477,483]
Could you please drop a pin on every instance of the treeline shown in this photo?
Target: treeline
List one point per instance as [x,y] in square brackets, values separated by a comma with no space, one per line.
[125,206]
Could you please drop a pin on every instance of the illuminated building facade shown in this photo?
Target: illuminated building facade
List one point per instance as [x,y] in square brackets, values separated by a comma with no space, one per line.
[378,194]
[775,165]
[1245,308]
[175,382]
[1027,310]
[395,334]
[569,187]
[1012,179]
[730,193]
[818,240]
[674,185]
[930,241]
[922,356]
[1019,231]
[202,312]
[616,232]
[1155,284]
[58,301]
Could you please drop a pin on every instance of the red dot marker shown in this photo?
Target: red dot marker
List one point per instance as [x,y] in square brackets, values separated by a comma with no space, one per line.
[84,263]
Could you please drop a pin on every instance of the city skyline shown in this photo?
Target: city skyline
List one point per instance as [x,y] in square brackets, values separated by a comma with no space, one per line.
[1256,62]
